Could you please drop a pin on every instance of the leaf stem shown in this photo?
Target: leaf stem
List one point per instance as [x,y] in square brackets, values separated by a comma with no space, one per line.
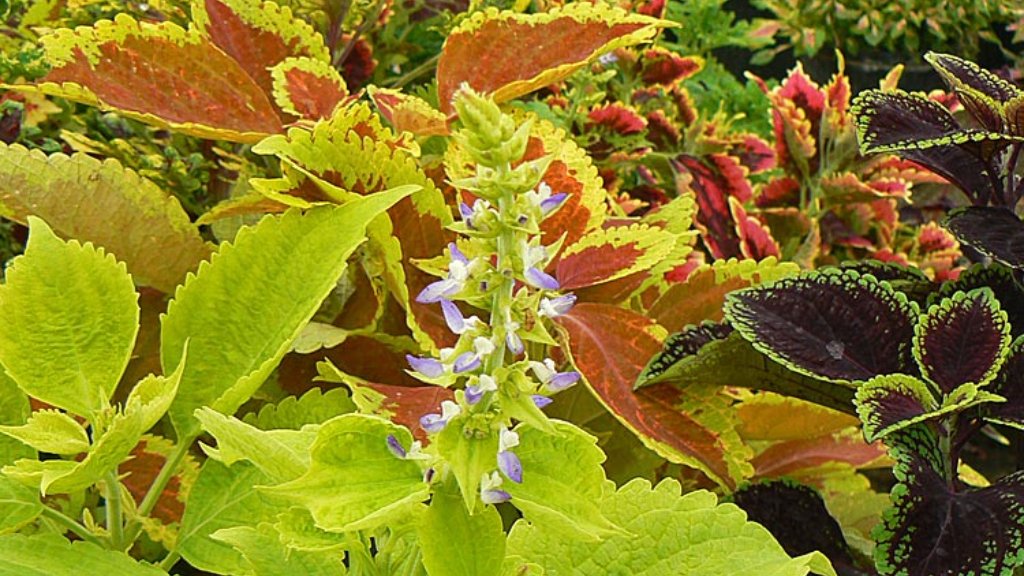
[149,501]
[72,525]
[169,561]
[115,514]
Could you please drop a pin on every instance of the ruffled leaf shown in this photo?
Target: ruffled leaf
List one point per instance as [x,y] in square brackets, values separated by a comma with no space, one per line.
[508,54]
[407,113]
[314,407]
[714,181]
[837,324]
[997,278]
[1010,385]
[282,455]
[47,555]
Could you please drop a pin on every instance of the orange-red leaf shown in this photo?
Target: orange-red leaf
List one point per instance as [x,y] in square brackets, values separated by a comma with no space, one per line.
[407,113]
[307,88]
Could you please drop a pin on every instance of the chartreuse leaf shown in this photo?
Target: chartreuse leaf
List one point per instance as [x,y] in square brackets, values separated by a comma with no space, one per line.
[178,78]
[313,407]
[562,482]
[938,530]
[222,497]
[477,50]
[50,555]
[297,530]
[408,113]
[964,338]
[663,533]
[836,324]
[14,411]
[19,505]
[70,316]
[266,555]
[280,454]
[147,402]
[153,237]
[470,446]
[50,431]
[355,482]
[457,543]
[246,306]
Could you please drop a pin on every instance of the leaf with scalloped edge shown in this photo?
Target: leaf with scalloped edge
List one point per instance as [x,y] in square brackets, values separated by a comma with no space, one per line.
[608,346]
[1009,384]
[679,346]
[154,237]
[507,55]
[714,180]
[266,555]
[997,278]
[70,316]
[996,231]
[962,339]
[892,402]
[408,113]
[354,154]
[307,88]
[355,482]
[257,35]
[834,324]
[610,253]
[314,407]
[159,74]
[664,532]
[282,455]
[981,92]
[285,266]
[702,296]
[50,431]
[938,531]
[51,555]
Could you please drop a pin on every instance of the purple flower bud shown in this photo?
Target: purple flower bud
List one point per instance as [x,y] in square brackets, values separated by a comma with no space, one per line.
[466,212]
[510,465]
[540,279]
[429,367]
[563,380]
[395,446]
[432,423]
[541,401]
[465,362]
[474,394]
[453,316]
[435,291]
[494,496]
[514,343]
[552,202]
[554,307]
[457,254]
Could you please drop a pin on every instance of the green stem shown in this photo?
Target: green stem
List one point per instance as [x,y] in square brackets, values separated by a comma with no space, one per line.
[502,301]
[72,525]
[149,501]
[424,67]
[115,515]
[169,561]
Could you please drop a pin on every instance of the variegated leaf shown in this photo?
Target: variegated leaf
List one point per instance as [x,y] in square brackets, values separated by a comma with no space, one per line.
[607,254]
[307,88]
[407,113]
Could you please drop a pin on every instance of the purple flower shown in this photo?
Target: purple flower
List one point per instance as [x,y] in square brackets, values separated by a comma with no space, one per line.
[541,401]
[540,279]
[453,317]
[465,362]
[562,380]
[551,203]
[554,307]
[483,385]
[467,213]
[550,377]
[490,491]
[429,367]
[509,463]
[395,446]
[458,273]
[436,422]
[512,340]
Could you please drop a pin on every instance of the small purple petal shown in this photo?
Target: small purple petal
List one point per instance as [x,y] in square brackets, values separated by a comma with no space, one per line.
[453,316]
[559,305]
[432,423]
[465,211]
[395,446]
[429,367]
[541,279]
[548,204]
[457,254]
[465,362]
[541,401]
[495,496]
[435,291]
[563,380]
[510,465]
[473,394]
[514,343]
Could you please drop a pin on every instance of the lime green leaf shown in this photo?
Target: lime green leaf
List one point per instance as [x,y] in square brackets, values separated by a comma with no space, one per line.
[267,556]
[280,454]
[14,410]
[19,505]
[562,482]
[222,497]
[455,543]
[297,530]
[664,534]
[314,407]
[70,316]
[248,304]
[355,482]
[153,236]
[51,431]
[471,451]
[54,556]
[153,395]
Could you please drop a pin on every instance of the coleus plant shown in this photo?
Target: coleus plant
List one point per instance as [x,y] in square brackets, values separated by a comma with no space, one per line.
[924,379]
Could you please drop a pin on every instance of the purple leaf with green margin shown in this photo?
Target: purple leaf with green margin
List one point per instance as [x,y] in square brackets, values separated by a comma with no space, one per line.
[834,324]
[682,345]
[981,92]
[996,277]
[995,231]
[1010,385]
[934,529]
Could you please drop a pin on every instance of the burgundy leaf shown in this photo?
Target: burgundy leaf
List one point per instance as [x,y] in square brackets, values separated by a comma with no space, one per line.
[892,401]
[995,231]
[1010,385]
[997,278]
[836,324]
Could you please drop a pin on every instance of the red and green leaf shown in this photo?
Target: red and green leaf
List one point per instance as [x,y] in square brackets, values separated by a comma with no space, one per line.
[792,457]
[836,324]
[407,113]
[962,339]
[508,54]
[307,88]
[664,67]
[756,241]
[713,181]
[608,254]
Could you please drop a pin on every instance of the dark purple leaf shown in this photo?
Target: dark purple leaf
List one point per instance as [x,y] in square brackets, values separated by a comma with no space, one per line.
[796,515]
[890,402]
[934,529]
[680,346]
[834,324]
[1010,385]
[962,339]
[997,232]
[906,279]
[997,278]
[957,72]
